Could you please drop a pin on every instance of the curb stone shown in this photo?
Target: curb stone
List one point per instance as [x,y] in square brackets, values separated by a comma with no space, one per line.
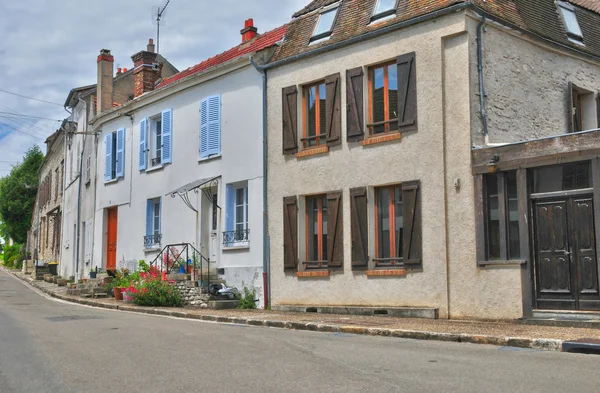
[519,342]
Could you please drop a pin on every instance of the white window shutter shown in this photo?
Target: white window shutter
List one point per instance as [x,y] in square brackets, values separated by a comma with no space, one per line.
[167,136]
[204,128]
[214,125]
[108,159]
[120,171]
[143,148]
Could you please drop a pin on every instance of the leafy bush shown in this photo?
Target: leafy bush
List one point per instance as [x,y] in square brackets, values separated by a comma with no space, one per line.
[11,255]
[247,299]
[157,293]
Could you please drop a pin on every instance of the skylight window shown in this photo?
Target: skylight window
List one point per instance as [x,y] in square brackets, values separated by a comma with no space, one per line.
[384,8]
[325,24]
[567,11]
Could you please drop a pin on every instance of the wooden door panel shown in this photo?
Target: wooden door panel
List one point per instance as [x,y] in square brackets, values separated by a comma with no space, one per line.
[553,267]
[111,239]
[584,249]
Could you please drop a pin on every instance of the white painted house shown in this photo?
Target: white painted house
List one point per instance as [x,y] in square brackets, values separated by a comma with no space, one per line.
[182,163]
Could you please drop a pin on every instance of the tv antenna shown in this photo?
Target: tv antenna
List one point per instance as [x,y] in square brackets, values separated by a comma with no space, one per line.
[157,14]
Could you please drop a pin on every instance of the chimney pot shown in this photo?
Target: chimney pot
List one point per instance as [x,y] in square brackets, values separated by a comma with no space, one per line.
[124,70]
[249,31]
[150,47]
[118,71]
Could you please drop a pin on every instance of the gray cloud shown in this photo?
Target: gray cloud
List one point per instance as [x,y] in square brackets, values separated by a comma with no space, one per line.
[49,47]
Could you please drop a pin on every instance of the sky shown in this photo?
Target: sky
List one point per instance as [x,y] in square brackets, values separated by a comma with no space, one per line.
[48,47]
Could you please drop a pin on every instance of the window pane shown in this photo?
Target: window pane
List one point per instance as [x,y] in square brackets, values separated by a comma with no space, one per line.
[311,113]
[158,141]
[312,253]
[571,23]
[383,223]
[393,95]
[399,221]
[493,217]
[322,109]
[325,23]
[562,177]
[514,250]
[378,99]
[384,5]
[324,228]
[239,196]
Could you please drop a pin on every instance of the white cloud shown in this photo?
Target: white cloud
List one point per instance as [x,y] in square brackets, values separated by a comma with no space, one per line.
[50,47]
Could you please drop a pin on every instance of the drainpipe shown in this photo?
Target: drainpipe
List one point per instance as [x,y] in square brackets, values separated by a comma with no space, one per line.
[266,276]
[481,82]
[77,223]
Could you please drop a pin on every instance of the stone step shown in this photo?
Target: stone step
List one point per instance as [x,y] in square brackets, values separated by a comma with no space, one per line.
[398,312]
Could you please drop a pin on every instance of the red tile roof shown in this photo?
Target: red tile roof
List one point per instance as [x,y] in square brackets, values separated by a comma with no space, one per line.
[261,42]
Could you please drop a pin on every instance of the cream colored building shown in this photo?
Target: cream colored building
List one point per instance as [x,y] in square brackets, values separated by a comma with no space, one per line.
[389,199]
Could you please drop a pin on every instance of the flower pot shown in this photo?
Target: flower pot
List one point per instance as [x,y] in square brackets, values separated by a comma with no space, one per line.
[182,269]
[118,293]
[92,274]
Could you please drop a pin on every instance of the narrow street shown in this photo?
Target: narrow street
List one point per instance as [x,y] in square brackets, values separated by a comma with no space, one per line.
[51,346]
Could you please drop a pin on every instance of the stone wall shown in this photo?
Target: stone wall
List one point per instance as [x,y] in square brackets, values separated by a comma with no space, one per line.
[191,294]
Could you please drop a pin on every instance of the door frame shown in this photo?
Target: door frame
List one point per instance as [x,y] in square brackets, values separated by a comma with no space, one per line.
[570,196]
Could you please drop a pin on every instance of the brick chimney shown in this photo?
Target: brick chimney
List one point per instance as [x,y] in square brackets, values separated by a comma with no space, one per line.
[249,31]
[105,81]
[146,71]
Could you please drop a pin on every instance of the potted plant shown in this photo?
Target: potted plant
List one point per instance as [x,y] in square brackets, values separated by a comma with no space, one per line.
[93,272]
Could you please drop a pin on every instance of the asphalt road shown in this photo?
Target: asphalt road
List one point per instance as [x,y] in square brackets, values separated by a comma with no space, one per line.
[51,346]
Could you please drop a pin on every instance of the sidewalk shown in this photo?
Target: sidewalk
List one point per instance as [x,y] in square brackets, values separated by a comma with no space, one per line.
[497,333]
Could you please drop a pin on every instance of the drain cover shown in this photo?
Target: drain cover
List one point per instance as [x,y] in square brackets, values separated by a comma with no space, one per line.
[582,345]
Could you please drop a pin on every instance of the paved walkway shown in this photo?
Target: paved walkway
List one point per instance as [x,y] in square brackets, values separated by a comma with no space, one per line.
[500,333]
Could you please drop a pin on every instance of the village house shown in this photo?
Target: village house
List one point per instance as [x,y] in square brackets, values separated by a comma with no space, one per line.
[80,160]
[436,158]
[181,166]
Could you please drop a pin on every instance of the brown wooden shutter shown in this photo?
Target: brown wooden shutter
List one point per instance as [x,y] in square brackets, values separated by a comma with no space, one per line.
[571,107]
[290,232]
[359,228]
[290,120]
[407,92]
[598,109]
[332,104]
[411,213]
[354,104]
[335,231]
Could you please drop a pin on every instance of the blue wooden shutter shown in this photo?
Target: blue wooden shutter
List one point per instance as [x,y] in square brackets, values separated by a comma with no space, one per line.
[167,128]
[230,207]
[204,128]
[214,125]
[120,153]
[149,217]
[143,139]
[108,159]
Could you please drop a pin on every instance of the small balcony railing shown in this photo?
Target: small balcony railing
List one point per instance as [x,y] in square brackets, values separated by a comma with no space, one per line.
[152,241]
[233,237]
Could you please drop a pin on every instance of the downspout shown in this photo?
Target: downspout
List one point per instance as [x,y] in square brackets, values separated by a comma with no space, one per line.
[77,223]
[266,271]
[481,82]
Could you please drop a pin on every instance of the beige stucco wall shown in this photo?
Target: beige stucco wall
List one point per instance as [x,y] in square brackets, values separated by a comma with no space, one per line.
[526,84]
[351,165]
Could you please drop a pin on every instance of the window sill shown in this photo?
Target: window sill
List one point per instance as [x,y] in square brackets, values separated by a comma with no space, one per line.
[213,157]
[152,249]
[387,273]
[381,138]
[111,181]
[513,262]
[312,151]
[313,274]
[154,168]
[236,246]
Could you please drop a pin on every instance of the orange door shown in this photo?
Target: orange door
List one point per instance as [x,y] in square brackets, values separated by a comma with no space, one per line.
[111,240]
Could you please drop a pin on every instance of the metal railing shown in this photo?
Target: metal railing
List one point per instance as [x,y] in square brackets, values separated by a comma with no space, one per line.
[184,258]
[152,241]
[239,236]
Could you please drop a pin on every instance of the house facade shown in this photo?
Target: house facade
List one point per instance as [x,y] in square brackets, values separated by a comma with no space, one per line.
[407,165]
[182,164]
[81,154]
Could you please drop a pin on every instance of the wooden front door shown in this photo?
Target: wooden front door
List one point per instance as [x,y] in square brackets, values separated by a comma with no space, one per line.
[111,239]
[566,269]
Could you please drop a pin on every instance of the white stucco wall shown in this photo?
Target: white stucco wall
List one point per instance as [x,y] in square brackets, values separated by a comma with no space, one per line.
[240,160]
[527,86]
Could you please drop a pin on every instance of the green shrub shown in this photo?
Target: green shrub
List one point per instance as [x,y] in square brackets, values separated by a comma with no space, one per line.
[247,298]
[11,255]
[156,293]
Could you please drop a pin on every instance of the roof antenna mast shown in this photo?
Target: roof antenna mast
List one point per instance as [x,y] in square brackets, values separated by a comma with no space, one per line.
[157,14]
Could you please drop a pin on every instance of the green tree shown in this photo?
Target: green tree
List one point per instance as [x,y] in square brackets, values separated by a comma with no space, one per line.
[17,195]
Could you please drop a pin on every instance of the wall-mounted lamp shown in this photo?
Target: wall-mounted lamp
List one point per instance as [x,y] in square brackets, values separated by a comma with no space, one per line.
[493,163]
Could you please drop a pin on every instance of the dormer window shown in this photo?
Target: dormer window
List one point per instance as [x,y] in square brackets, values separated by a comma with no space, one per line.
[384,8]
[325,24]
[567,11]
